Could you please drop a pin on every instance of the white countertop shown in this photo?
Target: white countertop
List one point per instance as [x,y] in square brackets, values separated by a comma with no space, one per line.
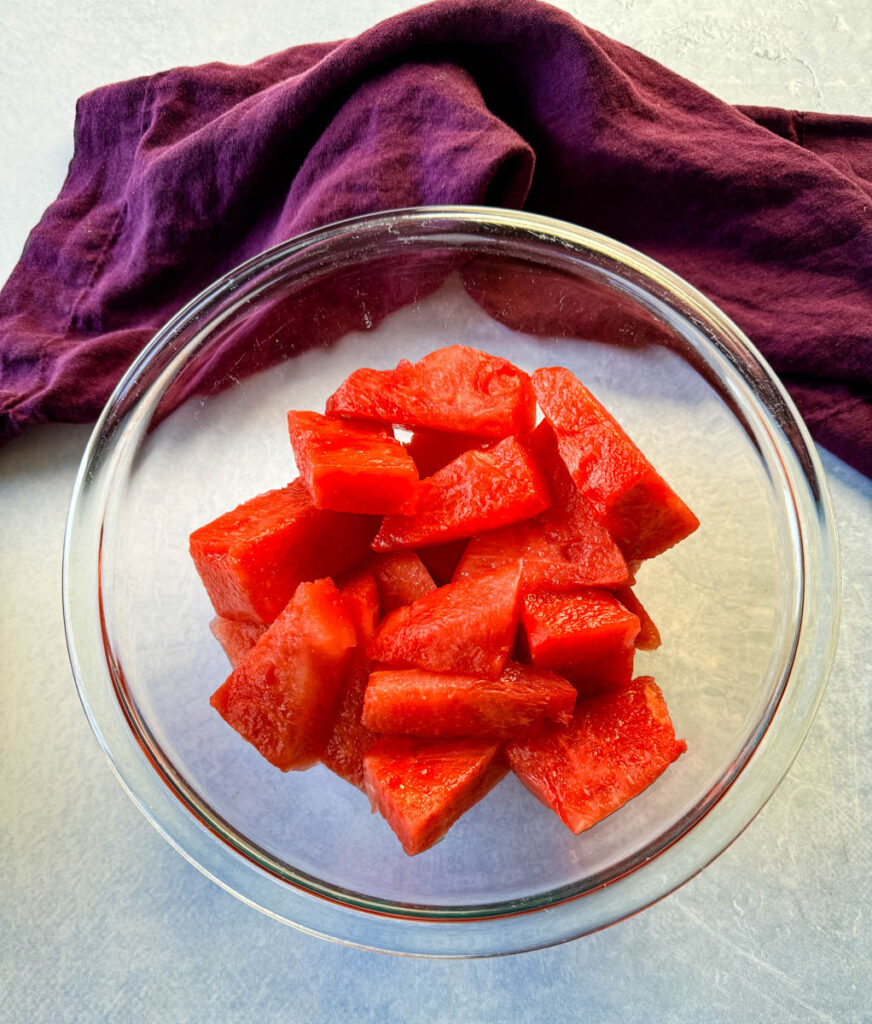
[101,920]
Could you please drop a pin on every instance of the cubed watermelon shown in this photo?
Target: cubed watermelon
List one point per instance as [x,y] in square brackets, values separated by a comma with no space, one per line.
[477,491]
[237,638]
[421,787]
[466,627]
[411,702]
[349,739]
[353,467]
[616,746]
[456,389]
[639,509]
[252,559]
[282,696]
[588,637]
[432,450]
[402,578]
[648,637]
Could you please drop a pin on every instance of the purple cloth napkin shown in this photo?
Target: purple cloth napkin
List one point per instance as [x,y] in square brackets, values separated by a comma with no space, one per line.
[178,177]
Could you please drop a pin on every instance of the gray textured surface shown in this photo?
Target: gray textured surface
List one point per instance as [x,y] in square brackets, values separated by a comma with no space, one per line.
[100,919]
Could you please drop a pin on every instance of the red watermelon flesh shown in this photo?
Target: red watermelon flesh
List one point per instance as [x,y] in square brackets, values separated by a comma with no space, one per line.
[432,450]
[237,638]
[477,491]
[282,696]
[402,578]
[569,507]
[552,561]
[421,787]
[588,637]
[465,627]
[349,739]
[648,638]
[352,467]
[639,509]
[252,559]
[412,702]
[456,389]
[563,547]
[565,496]
[441,560]
[615,747]
[360,594]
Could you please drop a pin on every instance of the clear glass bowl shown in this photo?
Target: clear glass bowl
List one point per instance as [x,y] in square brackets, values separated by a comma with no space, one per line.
[747,607]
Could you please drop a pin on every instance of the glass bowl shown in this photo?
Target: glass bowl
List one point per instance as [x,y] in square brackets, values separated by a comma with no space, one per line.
[747,606]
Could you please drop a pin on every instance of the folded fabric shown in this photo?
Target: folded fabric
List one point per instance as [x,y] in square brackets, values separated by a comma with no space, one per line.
[178,177]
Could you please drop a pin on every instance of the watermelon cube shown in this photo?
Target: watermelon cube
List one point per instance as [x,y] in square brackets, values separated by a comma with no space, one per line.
[643,514]
[237,638]
[465,627]
[648,637]
[588,637]
[252,559]
[456,389]
[353,467]
[402,578]
[477,491]
[349,739]
[432,450]
[421,787]
[615,747]
[282,696]
[411,702]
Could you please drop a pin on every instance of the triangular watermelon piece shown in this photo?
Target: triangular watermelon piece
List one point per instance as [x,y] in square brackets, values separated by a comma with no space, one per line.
[588,637]
[402,578]
[643,514]
[352,467]
[480,490]
[462,627]
[349,739]
[457,390]
[421,787]
[412,702]
[282,696]
[615,746]
[252,559]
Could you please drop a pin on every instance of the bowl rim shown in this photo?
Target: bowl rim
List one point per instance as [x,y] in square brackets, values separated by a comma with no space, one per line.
[461,931]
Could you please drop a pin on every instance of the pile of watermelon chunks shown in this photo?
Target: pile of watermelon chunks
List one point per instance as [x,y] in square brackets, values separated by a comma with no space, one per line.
[424,617]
